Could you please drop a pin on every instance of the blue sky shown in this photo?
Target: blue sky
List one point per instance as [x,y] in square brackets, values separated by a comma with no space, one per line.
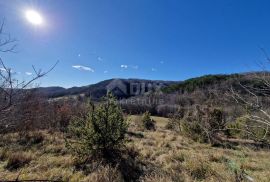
[151,39]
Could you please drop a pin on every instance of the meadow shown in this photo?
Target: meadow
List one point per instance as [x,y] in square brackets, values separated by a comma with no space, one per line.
[161,155]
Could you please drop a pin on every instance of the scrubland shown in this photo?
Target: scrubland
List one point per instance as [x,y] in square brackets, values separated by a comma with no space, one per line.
[159,155]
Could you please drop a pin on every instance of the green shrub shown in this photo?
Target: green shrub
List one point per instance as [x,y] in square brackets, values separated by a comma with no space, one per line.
[100,132]
[148,122]
[195,131]
[238,170]
[236,129]
[248,129]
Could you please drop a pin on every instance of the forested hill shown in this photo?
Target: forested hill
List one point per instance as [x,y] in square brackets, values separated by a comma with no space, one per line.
[219,81]
[125,88]
[120,88]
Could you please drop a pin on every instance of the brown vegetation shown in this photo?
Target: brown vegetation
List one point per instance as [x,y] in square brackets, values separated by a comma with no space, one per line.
[161,155]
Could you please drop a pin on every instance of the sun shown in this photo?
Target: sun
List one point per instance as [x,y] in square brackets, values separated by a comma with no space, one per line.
[34,17]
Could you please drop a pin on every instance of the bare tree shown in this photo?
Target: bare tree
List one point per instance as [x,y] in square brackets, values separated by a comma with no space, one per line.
[254,98]
[12,90]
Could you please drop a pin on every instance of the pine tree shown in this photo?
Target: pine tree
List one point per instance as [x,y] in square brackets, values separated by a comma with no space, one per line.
[100,132]
[148,123]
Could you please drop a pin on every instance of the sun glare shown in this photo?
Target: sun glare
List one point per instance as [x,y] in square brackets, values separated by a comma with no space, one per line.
[34,17]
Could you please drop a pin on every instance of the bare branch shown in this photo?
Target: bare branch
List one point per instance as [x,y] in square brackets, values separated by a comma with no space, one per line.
[257,92]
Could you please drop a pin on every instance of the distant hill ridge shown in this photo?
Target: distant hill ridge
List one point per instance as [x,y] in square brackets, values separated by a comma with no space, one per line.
[100,89]
[126,88]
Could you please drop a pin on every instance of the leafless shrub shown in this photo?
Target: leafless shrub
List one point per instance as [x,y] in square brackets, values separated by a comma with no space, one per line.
[254,98]
[17,104]
[176,119]
[204,123]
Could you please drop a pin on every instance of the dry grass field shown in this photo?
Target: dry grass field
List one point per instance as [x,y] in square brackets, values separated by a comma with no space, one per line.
[164,155]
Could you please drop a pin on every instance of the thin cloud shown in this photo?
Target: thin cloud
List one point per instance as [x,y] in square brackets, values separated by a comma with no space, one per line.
[161,62]
[124,66]
[28,73]
[99,58]
[153,69]
[83,68]
[105,72]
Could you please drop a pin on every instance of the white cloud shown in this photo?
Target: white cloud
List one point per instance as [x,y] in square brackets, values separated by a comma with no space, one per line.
[83,68]
[153,69]
[28,73]
[105,71]
[99,58]
[124,66]
[79,55]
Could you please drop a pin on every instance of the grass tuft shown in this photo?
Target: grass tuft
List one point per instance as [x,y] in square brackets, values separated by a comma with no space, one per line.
[18,160]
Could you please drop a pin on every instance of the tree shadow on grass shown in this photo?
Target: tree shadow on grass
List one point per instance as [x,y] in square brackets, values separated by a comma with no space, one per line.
[126,161]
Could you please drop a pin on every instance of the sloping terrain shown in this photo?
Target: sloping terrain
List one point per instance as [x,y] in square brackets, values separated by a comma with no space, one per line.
[166,155]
